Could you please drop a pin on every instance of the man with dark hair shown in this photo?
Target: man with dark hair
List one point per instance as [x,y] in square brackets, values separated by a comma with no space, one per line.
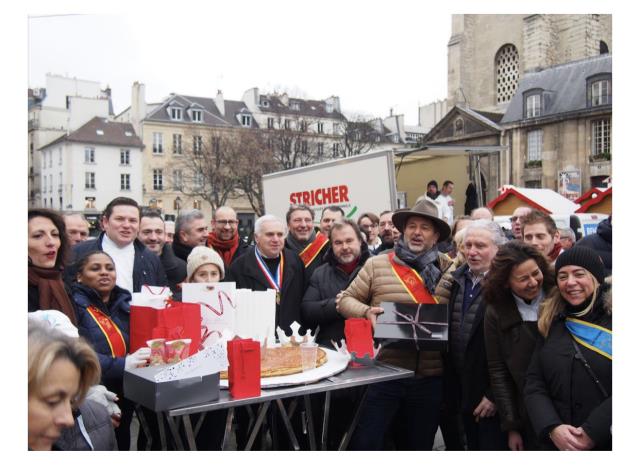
[539,230]
[432,190]
[341,264]
[446,201]
[330,214]
[152,234]
[191,231]
[224,237]
[387,233]
[136,265]
[303,240]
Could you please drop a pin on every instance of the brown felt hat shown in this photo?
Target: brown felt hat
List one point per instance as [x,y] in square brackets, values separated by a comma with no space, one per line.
[425,208]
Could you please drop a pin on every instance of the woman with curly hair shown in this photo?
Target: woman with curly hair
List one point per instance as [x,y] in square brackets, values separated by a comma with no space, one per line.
[517,282]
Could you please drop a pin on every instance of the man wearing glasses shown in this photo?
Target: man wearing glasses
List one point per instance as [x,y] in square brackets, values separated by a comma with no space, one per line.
[224,237]
[516,221]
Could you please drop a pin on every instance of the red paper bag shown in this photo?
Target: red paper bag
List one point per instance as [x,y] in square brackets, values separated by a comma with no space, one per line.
[176,321]
[359,336]
[244,367]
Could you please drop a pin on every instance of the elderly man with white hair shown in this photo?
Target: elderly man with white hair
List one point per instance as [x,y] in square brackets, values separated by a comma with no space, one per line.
[271,266]
[469,390]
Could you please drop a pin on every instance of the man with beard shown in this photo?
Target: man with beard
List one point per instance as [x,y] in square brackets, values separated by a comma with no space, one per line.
[303,240]
[409,274]
[152,234]
[224,237]
[342,263]
[388,235]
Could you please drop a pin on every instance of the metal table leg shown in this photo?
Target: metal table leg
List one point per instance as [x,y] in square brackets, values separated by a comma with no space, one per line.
[310,428]
[144,426]
[188,429]
[174,432]
[288,426]
[163,437]
[199,423]
[325,421]
[227,428]
[347,436]
[261,414]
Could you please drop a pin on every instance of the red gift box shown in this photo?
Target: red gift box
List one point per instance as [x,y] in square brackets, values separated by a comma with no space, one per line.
[244,367]
[176,321]
[359,336]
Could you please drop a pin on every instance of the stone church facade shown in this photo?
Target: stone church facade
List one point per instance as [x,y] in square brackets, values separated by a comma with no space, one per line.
[539,85]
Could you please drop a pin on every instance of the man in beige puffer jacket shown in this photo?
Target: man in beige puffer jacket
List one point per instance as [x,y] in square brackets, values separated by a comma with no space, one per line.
[421,395]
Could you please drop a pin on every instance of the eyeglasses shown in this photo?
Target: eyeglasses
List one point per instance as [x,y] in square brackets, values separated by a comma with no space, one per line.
[514,218]
[224,222]
[368,226]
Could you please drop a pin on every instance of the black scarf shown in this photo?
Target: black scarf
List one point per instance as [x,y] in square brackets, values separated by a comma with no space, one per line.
[180,250]
[425,263]
[298,246]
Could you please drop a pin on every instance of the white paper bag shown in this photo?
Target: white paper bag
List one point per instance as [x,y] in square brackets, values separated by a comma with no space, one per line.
[152,296]
[217,307]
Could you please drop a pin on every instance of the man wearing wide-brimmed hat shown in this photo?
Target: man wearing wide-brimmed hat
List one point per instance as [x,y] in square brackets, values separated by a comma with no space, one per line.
[416,256]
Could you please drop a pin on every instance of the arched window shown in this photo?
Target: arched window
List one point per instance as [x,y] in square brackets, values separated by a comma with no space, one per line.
[507,73]
[604,49]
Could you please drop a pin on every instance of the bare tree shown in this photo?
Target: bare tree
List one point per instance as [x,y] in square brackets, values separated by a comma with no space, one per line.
[205,170]
[253,160]
[357,136]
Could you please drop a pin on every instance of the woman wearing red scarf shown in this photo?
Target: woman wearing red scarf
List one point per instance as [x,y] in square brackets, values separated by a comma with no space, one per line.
[47,247]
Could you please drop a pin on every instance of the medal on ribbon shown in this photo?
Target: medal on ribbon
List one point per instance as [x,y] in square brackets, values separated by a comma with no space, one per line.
[274,282]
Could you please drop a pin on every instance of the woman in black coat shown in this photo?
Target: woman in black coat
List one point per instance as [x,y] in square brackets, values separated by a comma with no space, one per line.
[514,288]
[568,384]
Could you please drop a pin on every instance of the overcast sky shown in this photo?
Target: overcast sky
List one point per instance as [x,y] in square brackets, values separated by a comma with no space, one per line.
[372,57]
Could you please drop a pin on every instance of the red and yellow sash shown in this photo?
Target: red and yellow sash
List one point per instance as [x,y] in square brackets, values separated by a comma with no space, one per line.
[111,332]
[312,250]
[412,282]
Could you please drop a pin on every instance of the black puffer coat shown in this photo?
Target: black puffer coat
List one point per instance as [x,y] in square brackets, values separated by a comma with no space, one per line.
[319,302]
[558,389]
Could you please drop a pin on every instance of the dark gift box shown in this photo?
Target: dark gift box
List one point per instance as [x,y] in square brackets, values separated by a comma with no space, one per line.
[413,326]
[140,387]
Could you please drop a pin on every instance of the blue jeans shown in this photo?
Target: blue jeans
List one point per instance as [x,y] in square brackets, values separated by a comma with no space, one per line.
[420,398]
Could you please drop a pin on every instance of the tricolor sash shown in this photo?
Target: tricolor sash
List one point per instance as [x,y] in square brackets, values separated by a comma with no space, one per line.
[110,330]
[412,282]
[274,282]
[312,250]
[591,336]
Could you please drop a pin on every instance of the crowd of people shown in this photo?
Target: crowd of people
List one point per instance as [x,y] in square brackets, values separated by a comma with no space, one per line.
[528,361]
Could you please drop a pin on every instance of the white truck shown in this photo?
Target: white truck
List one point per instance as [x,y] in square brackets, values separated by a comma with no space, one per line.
[362,183]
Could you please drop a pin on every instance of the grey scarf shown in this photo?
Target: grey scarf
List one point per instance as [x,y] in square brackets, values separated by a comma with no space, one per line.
[298,246]
[425,263]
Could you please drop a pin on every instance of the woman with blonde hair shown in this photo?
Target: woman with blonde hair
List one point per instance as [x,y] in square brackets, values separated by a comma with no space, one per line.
[61,371]
[568,383]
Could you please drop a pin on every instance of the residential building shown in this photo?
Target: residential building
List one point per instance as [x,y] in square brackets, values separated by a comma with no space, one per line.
[61,107]
[87,168]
